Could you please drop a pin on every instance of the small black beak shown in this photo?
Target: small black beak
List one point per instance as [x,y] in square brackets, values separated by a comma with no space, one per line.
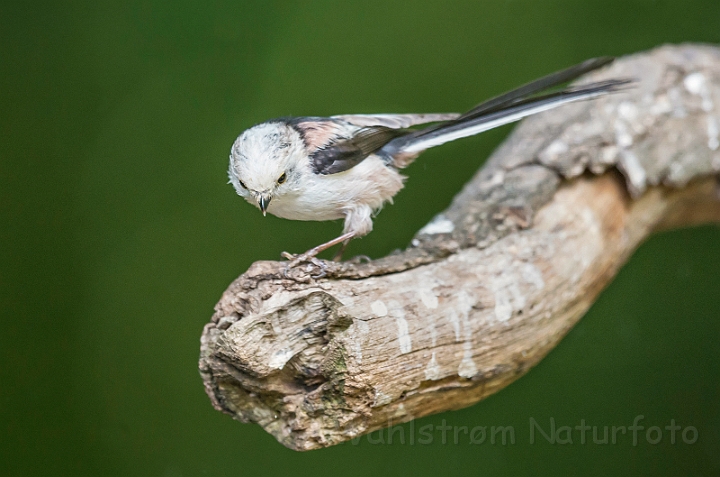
[264,202]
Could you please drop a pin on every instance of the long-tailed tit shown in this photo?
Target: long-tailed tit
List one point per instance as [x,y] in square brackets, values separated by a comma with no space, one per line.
[347,167]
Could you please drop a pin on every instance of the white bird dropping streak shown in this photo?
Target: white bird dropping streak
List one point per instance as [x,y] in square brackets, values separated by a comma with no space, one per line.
[398,312]
[432,370]
[379,308]
[467,367]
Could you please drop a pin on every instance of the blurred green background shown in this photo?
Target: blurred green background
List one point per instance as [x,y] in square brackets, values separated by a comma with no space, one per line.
[119,233]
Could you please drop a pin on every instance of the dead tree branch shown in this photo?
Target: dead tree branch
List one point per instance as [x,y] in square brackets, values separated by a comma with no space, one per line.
[489,286]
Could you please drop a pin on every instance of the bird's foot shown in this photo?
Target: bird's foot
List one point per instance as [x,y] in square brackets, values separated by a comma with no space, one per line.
[295,260]
[310,255]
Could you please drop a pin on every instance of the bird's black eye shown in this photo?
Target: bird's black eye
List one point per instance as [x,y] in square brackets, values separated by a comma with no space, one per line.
[242,184]
[282,178]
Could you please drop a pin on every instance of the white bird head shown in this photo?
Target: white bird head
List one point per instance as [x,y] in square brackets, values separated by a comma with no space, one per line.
[265,163]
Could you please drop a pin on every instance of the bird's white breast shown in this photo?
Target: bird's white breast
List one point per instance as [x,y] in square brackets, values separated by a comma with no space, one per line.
[328,197]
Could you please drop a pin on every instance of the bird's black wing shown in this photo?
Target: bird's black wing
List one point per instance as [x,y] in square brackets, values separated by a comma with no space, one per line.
[395,121]
[344,154]
[333,148]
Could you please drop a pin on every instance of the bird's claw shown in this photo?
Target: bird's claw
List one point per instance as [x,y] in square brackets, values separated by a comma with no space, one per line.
[295,260]
[358,259]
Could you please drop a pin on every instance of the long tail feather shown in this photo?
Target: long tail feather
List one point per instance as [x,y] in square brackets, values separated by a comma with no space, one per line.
[518,94]
[498,115]
[536,86]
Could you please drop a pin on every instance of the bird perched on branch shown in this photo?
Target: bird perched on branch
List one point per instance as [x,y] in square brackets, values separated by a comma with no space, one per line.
[347,167]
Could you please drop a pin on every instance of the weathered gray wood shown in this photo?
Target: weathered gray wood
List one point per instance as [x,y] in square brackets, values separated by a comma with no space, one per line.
[489,286]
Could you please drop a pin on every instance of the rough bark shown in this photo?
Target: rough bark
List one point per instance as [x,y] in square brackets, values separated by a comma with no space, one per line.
[489,286]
